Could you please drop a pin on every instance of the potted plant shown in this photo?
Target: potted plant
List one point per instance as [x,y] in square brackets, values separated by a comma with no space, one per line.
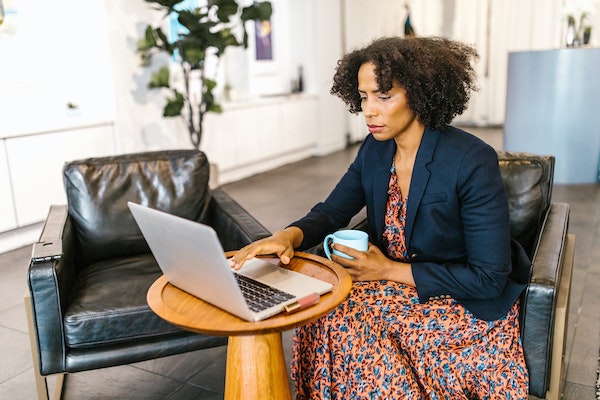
[208,30]
[577,14]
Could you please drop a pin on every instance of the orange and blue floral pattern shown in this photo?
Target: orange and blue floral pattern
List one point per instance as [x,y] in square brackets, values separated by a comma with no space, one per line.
[395,219]
[381,343]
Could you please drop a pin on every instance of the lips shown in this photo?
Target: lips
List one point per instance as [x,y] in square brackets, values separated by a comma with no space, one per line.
[375,128]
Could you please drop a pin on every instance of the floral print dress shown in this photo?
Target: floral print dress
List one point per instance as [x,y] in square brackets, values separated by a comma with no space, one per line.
[382,343]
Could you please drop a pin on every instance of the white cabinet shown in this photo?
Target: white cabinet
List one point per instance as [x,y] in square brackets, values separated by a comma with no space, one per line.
[298,125]
[253,137]
[31,171]
[35,163]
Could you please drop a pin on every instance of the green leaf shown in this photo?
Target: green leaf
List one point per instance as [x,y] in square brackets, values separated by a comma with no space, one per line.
[160,79]
[174,105]
[209,84]
[207,96]
[142,45]
[192,53]
[221,40]
[216,108]
[149,36]
[189,19]
[260,11]
[265,10]
[164,42]
[226,8]
[147,42]
[229,39]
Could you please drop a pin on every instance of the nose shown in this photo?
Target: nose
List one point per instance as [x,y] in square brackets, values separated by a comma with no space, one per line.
[368,108]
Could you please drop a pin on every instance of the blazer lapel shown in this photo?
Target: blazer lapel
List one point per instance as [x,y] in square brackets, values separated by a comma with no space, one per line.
[419,179]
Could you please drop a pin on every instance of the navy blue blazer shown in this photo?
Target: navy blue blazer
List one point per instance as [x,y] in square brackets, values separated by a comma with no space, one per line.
[457,227]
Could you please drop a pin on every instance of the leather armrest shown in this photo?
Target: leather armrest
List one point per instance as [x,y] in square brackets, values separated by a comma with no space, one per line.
[50,278]
[234,225]
[539,303]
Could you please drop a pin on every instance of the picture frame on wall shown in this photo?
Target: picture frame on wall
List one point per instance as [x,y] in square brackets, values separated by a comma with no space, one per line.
[263,41]
[262,48]
[268,56]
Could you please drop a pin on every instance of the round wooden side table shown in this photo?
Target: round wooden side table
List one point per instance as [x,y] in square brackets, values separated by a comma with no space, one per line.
[256,366]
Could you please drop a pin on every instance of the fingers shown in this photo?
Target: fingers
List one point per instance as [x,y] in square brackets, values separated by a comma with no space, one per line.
[263,247]
[239,258]
[358,265]
[355,254]
[286,255]
[244,254]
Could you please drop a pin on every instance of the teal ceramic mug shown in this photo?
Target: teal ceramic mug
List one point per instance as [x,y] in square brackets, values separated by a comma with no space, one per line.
[356,239]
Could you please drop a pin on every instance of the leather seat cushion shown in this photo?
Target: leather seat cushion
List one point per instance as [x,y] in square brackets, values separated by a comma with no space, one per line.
[108,304]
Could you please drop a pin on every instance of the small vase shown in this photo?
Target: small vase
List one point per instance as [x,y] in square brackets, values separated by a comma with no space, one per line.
[572,38]
[587,33]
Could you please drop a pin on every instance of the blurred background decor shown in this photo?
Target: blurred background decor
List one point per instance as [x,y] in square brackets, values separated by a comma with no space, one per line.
[578,14]
[196,45]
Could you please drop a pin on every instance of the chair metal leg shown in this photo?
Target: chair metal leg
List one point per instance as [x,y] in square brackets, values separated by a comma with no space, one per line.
[561,320]
[41,382]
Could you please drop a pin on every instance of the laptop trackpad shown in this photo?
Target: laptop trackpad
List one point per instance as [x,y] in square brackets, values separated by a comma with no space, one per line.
[283,279]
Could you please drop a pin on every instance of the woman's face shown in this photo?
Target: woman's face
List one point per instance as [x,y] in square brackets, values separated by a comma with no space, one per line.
[387,114]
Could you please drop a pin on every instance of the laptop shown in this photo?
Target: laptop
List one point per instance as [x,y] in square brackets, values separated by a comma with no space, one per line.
[191,257]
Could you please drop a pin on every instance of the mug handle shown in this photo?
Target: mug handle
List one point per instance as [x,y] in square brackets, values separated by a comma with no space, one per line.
[326,245]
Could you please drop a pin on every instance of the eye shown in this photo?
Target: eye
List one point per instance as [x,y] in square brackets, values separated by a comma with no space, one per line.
[384,96]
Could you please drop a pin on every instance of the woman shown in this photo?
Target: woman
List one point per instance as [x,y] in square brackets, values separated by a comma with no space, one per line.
[433,311]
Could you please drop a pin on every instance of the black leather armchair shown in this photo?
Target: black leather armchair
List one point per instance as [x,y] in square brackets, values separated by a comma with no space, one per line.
[541,227]
[91,269]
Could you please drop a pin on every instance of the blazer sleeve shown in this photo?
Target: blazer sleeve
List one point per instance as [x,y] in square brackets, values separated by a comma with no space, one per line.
[343,203]
[475,264]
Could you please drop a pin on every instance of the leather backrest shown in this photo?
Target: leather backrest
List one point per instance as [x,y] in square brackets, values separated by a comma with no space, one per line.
[528,182]
[98,190]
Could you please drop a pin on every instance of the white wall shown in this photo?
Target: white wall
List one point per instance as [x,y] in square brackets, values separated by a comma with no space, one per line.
[51,57]
[328,48]
[139,122]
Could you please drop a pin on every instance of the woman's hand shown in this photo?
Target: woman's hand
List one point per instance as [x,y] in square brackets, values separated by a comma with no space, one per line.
[281,243]
[373,265]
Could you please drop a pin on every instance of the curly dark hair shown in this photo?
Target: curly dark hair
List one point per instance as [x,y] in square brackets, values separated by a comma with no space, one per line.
[436,72]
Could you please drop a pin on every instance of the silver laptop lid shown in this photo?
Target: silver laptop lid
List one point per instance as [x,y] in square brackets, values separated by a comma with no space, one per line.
[189,260]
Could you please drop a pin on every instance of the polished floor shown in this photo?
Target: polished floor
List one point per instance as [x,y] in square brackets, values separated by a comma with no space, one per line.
[276,198]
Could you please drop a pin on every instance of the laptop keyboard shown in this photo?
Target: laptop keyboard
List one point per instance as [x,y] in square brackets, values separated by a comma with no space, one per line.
[258,295]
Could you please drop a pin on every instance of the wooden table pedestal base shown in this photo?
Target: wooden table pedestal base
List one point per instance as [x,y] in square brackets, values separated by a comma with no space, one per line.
[247,377]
